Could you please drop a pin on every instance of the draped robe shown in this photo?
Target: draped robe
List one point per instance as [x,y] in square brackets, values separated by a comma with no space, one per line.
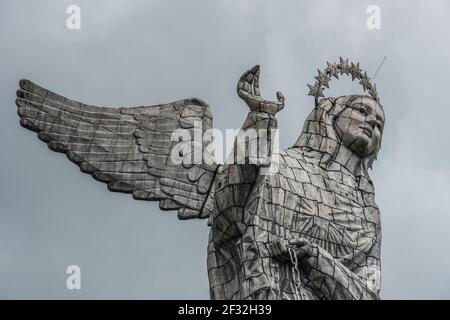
[311,196]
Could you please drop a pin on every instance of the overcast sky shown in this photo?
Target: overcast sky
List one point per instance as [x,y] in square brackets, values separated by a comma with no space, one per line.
[144,52]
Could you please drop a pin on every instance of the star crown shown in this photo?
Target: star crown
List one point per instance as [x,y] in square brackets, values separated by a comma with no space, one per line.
[337,69]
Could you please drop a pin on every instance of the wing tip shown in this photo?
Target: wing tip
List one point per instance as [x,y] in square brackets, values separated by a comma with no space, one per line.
[24,84]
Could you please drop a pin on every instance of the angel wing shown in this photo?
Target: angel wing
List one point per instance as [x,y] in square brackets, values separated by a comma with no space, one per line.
[128,148]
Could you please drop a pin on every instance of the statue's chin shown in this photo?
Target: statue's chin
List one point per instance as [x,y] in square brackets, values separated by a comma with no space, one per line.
[361,147]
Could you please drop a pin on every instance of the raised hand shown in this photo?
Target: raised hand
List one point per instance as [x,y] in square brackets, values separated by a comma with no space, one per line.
[248,90]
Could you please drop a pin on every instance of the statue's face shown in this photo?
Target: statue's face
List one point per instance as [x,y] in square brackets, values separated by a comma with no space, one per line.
[360,126]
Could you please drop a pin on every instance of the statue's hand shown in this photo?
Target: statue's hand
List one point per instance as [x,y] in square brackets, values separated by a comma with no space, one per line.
[248,90]
[282,250]
[279,250]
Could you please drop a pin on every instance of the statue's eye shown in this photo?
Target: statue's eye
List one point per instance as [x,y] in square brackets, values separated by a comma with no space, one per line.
[362,111]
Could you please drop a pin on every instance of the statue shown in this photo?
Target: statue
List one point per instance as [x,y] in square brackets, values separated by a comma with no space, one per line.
[308,230]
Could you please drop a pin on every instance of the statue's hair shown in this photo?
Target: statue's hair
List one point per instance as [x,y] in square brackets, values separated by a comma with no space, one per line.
[319,133]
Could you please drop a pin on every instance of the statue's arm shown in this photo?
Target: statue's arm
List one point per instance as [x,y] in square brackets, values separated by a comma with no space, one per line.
[325,274]
[324,271]
[254,143]
[252,150]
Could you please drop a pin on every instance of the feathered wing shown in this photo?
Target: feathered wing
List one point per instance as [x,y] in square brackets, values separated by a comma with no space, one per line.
[128,148]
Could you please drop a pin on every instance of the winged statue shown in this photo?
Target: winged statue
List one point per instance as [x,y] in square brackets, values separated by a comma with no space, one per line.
[308,230]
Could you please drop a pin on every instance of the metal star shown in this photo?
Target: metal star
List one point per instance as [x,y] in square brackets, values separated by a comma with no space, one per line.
[322,78]
[355,71]
[373,92]
[315,90]
[332,69]
[365,81]
[343,65]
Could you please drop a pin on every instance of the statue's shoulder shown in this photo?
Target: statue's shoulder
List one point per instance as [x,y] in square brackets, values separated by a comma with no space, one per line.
[301,161]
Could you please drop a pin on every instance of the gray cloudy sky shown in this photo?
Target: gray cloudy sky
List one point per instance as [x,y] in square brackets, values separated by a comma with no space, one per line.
[144,52]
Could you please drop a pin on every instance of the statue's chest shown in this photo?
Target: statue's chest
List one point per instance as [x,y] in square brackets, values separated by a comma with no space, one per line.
[329,208]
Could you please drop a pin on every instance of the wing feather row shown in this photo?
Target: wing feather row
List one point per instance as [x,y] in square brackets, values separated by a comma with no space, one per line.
[127,148]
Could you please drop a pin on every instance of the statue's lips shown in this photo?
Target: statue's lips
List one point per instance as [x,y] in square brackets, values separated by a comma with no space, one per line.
[367,131]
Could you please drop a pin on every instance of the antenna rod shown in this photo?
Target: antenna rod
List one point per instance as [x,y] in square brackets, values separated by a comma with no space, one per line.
[384,59]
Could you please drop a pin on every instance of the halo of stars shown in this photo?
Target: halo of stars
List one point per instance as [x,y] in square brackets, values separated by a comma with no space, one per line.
[337,69]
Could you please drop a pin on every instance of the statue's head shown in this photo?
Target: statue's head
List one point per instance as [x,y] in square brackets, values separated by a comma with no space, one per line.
[359,126]
[355,121]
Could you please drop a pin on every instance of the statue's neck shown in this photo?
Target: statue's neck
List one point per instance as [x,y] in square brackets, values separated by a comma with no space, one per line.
[346,158]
